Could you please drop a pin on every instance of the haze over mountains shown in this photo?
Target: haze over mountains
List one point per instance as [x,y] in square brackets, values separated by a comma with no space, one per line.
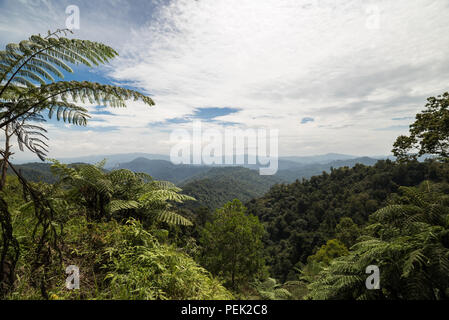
[214,185]
[160,166]
[113,160]
[288,170]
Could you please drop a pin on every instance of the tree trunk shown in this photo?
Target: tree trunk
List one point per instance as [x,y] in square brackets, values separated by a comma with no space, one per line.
[5,158]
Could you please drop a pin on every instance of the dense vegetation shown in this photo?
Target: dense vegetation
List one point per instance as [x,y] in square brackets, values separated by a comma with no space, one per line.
[218,186]
[212,187]
[288,170]
[302,216]
[36,172]
[117,260]
[232,245]
[299,171]
[408,240]
[163,170]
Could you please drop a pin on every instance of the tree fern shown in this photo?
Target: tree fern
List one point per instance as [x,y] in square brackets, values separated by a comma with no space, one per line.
[28,71]
[109,193]
[409,244]
[117,205]
[171,217]
[28,87]
[271,290]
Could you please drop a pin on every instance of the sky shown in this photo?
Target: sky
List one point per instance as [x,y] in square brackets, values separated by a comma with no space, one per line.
[333,76]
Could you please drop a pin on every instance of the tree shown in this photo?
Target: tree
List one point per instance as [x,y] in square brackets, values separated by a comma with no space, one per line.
[429,134]
[28,89]
[120,193]
[28,86]
[347,231]
[408,241]
[232,244]
[331,250]
[139,267]
[270,289]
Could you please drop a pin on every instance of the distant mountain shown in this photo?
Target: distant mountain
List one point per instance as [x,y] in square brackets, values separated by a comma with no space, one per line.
[163,170]
[216,186]
[323,158]
[309,170]
[282,165]
[211,186]
[288,170]
[114,160]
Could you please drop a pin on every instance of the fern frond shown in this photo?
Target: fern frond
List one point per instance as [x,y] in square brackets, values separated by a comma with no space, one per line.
[32,137]
[69,112]
[417,258]
[27,74]
[164,195]
[171,217]
[55,50]
[121,176]
[117,205]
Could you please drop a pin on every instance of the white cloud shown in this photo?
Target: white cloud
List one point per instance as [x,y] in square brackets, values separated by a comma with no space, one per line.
[110,22]
[278,61]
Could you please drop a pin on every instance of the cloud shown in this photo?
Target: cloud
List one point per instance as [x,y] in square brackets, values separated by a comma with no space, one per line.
[352,66]
[110,22]
[278,61]
[393,128]
[402,118]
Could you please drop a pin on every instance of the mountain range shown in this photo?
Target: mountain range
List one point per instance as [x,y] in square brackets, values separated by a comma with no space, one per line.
[288,170]
[212,186]
[115,160]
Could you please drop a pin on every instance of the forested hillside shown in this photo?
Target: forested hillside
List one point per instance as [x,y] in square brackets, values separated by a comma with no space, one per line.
[302,216]
[310,169]
[36,171]
[218,186]
[289,171]
[162,169]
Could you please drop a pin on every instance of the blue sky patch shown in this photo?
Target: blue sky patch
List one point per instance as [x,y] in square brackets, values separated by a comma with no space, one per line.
[306,120]
[213,112]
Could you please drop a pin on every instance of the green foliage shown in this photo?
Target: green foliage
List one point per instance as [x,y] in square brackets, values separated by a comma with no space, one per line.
[408,241]
[217,186]
[27,76]
[138,267]
[429,134]
[232,245]
[112,219]
[331,250]
[37,218]
[27,90]
[271,290]
[309,273]
[120,193]
[347,231]
[35,172]
[302,216]
[116,261]
[163,169]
